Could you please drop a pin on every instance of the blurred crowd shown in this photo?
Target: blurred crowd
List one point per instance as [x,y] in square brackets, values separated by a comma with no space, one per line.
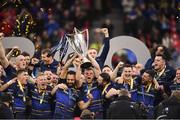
[154,22]
[52,18]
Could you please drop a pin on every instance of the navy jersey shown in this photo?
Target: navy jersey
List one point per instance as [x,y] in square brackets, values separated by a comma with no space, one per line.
[165,79]
[65,103]
[52,67]
[20,99]
[146,97]
[4,79]
[101,59]
[10,72]
[127,86]
[41,104]
[96,105]
[41,67]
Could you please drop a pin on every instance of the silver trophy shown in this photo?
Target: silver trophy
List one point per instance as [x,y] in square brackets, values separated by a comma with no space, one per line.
[79,42]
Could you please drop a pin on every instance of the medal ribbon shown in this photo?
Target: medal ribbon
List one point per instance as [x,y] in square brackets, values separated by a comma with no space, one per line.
[21,88]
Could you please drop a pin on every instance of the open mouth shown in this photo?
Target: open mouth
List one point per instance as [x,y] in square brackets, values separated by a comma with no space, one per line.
[23,65]
[48,78]
[88,77]
[43,84]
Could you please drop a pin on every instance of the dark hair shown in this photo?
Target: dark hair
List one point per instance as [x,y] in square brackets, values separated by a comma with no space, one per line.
[124,92]
[127,65]
[25,54]
[166,52]
[21,71]
[106,77]
[150,72]
[178,69]
[48,51]
[163,57]
[71,72]
[107,66]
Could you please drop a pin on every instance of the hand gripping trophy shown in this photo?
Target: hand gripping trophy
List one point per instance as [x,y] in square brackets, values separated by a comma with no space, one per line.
[79,42]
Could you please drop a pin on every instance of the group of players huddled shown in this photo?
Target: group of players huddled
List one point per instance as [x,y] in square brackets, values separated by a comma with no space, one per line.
[47,89]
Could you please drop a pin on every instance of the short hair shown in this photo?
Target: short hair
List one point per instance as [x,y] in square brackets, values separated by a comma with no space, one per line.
[127,65]
[48,51]
[163,56]
[124,92]
[166,52]
[150,72]
[21,71]
[93,49]
[178,68]
[106,77]
[90,68]
[71,72]
[107,66]
[25,54]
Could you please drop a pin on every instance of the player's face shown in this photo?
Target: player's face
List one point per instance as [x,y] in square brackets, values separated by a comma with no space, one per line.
[127,73]
[89,75]
[21,62]
[107,70]
[71,80]
[178,76]
[92,52]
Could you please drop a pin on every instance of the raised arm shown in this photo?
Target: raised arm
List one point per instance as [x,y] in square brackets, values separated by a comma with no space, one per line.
[79,80]
[3,59]
[101,59]
[114,73]
[94,63]
[66,66]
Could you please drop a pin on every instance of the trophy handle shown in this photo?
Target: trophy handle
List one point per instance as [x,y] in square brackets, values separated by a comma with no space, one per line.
[87,36]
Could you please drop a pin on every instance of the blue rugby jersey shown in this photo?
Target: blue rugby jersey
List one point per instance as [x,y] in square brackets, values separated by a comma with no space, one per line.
[10,72]
[41,104]
[147,98]
[101,59]
[126,86]
[65,103]
[53,66]
[165,79]
[19,104]
[96,105]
